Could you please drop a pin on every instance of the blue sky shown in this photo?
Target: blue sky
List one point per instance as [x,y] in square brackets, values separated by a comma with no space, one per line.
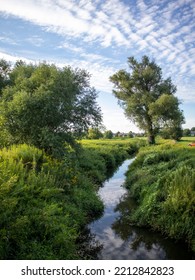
[99,36]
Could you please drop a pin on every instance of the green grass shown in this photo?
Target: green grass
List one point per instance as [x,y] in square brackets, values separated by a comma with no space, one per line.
[45,202]
[162,181]
[130,145]
[105,155]
[185,141]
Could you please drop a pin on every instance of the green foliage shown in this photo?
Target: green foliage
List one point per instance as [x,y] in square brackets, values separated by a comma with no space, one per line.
[29,209]
[5,69]
[46,106]
[108,134]
[93,164]
[108,154]
[186,132]
[46,202]
[172,132]
[148,99]
[5,137]
[94,133]
[166,113]
[130,134]
[162,182]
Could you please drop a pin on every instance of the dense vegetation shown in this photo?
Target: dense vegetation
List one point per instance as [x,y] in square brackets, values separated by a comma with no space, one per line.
[45,202]
[162,181]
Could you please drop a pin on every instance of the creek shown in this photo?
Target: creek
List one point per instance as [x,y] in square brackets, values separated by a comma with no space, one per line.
[113,237]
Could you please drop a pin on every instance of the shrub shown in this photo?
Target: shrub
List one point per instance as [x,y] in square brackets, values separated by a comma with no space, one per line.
[42,209]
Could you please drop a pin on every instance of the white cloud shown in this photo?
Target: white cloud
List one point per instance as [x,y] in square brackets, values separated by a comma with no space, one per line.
[171,57]
[35,40]
[143,44]
[117,121]
[47,14]
[145,30]
[6,39]
[12,58]
[149,28]
[110,22]
[70,19]
[70,47]
[186,93]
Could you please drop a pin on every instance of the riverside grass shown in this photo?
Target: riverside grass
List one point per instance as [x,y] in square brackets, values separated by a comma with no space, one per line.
[162,181]
[46,202]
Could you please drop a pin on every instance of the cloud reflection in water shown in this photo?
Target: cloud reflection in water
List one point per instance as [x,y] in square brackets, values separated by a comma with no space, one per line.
[119,239]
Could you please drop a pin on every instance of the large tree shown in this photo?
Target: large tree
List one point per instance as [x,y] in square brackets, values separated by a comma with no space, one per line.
[147,98]
[45,106]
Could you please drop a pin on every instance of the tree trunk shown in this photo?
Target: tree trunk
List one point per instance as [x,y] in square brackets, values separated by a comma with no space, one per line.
[151,139]
[151,134]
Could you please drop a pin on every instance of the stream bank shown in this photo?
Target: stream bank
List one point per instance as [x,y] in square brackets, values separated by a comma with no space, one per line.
[113,237]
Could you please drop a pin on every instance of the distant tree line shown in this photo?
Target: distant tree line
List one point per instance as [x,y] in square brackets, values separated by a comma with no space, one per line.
[97,133]
[189,132]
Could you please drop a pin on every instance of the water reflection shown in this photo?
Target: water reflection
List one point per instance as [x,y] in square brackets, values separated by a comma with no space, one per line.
[88,246]
[142,242]
[113,237]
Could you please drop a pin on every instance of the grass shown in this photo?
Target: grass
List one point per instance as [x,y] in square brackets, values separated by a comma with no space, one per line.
[45,202]
[162,181]
[130,145]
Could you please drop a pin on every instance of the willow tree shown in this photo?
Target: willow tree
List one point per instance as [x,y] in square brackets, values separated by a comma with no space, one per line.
[148,99]
[47,106]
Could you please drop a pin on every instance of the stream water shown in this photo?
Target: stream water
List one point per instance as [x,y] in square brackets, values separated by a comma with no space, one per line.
[115,238]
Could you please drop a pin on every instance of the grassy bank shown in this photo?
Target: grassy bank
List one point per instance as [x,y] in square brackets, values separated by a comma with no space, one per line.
[162,181]
[46,202]
[110,152]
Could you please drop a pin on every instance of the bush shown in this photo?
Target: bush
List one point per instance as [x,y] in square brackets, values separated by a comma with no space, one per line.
[44,203]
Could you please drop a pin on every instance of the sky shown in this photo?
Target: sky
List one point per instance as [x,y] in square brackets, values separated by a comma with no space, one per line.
[99,36]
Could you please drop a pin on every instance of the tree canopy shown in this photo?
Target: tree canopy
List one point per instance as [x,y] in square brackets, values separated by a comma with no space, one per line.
[108,134]
[5,68]
[147,98]
[45,106]
[94,133]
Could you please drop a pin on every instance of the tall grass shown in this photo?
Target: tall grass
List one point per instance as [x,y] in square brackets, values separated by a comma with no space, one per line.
[162,181]
[45,202]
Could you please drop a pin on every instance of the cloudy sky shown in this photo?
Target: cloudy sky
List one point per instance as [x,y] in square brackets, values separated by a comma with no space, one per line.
[99,36]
